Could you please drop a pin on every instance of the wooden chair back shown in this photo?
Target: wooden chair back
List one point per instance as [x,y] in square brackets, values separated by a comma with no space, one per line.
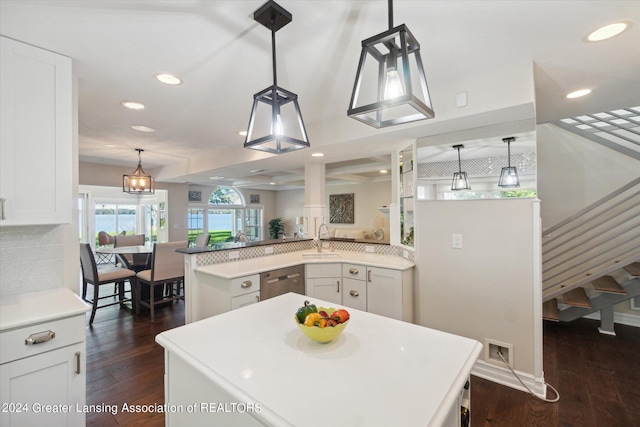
[130,240]
[88,263]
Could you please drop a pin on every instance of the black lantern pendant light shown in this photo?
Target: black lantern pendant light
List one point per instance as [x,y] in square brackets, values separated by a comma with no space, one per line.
[391,89]
[138,182]
[509,175]
[460,180]
[279,128]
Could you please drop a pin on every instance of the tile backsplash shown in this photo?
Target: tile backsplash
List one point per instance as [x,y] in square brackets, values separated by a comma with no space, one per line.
[31,259]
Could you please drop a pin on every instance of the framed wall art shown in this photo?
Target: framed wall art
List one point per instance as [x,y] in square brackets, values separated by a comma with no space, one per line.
[195,196]
[254,198]
[341,208]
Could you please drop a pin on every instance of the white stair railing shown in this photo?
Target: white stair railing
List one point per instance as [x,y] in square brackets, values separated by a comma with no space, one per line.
[603,237]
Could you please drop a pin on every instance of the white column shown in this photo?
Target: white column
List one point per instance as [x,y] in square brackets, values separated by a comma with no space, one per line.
[315,208]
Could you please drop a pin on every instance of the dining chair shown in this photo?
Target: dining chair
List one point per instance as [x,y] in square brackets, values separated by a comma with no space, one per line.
[106,275]
[202,240]
[104,239]
[167,267]
[136,262]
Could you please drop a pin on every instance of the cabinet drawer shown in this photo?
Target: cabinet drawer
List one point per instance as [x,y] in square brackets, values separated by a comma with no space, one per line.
[244,285]
[67,331]
[323,270]
[246,299]
[354,293]
[354,271]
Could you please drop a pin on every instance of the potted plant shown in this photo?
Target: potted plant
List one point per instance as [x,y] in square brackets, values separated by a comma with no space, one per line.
[276,228]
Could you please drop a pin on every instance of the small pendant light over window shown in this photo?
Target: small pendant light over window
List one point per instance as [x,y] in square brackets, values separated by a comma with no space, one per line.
[391,88]
[138,182]
[509,175]
[460,180]
[279,128]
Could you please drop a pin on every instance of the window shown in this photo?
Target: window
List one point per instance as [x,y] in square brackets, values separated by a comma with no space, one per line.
[225,217]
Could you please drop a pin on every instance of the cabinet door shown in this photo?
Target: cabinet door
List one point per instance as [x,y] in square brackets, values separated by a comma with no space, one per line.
[244,300]
[326,288]
[49,378]
[384,292]
[354,293]
[36,134]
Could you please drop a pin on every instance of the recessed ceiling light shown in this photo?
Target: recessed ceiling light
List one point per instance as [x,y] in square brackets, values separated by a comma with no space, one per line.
[607,31]
[272,183]
[317,155]
[243,133]
[143,128]
[256,170]
[132,105]
[216,177]
[169,79]
[578,93]
[109,145]
[383,171]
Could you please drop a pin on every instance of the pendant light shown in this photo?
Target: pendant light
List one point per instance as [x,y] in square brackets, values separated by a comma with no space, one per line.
[138,182]
[509,175]
[460,180]
[391,88]
[279,128]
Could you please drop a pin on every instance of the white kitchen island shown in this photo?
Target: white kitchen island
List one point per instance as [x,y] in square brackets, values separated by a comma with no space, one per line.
[253,366]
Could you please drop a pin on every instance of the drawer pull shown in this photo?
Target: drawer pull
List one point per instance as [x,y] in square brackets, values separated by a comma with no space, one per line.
[246,284]
[39,337]
[78,362]
[369,276]
[353,271]
[354,293]
[338,286]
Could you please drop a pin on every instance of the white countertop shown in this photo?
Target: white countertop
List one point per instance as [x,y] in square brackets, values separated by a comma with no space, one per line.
[234,269]
[378,372]
[37,307]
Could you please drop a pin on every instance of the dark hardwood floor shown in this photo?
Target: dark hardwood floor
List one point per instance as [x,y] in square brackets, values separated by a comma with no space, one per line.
[598,376]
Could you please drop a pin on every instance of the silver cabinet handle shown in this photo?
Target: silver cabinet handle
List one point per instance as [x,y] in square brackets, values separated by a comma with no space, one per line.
[40,337]
[77,362]
[246,284]
[368,275]
[353,271]
[257,298]
[2,208]
[354,293]
[338,286]
[293,276]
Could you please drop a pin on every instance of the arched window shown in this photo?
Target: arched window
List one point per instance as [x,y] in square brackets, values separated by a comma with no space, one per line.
[226,196]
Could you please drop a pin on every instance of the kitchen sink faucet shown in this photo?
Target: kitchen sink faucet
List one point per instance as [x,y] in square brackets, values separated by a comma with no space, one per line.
[319,242]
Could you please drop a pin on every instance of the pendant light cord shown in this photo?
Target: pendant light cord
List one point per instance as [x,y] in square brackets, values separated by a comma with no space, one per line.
[390,3]
[273,52]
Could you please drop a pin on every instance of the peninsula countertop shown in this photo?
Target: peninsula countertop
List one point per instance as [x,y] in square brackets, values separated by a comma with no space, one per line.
[379,371]
[235,269]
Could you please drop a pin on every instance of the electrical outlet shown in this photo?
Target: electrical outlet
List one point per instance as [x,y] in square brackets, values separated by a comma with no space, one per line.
[369,248]
[405,253]
[234,255]
[493,350]
[268,250]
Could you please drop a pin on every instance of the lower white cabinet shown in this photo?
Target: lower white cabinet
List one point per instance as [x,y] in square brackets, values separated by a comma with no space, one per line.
[324,281]
[378,290]
[42,360]
[215,295]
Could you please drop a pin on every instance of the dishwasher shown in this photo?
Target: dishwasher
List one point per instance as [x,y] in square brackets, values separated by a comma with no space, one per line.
[281,281]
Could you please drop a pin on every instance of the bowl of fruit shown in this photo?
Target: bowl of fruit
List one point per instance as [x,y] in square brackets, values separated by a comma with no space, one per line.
[321,324]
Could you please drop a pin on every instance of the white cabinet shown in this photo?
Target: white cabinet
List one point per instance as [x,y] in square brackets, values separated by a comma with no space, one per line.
[324,281]
[36,135]
[354,292]
[378,290]
[42,359]
[217,295]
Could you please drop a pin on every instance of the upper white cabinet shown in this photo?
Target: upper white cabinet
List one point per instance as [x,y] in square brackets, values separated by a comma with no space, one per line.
[36,136]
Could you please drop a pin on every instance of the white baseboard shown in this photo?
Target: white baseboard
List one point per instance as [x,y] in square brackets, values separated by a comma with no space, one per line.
[505,377]
[620,318]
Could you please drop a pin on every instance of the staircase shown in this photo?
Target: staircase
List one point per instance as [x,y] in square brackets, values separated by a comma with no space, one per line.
[591,261]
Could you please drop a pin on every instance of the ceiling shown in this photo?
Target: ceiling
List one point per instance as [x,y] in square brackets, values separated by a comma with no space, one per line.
[223,57]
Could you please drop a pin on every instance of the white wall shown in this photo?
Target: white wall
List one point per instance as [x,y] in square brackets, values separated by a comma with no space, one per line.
[574,172]
[367,198]
[491,287]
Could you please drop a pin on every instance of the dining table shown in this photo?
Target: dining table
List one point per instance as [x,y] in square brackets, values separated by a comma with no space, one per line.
[140,262]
